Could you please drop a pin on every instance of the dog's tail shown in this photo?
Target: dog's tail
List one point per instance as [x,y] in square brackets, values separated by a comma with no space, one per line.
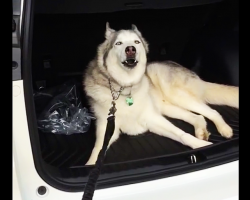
[221,94]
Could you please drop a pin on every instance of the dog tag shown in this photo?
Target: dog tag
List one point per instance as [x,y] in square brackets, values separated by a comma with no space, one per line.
[129,101]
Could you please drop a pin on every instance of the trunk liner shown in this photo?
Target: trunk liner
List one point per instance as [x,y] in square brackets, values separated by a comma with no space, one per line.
[73,151]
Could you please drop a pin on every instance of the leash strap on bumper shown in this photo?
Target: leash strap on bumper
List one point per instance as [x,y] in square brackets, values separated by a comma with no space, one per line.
[94,174]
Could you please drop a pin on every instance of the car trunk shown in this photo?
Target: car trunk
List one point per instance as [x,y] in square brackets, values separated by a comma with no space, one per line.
[65,39]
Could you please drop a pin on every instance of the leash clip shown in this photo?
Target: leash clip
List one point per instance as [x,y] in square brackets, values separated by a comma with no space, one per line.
[113,109]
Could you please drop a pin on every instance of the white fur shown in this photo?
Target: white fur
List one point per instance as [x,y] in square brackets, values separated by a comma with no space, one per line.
[159,90]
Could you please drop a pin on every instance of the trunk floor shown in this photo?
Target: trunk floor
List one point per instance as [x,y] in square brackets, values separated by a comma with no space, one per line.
[73,151]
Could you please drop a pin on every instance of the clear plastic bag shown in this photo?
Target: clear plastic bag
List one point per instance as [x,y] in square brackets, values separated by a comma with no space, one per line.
[64,113]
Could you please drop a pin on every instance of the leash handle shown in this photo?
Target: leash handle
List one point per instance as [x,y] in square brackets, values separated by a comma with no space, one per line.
[94,174]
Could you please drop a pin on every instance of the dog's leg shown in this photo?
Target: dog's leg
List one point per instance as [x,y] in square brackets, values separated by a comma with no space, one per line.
[198,121]
[100,132]
[189,103]
[161,126]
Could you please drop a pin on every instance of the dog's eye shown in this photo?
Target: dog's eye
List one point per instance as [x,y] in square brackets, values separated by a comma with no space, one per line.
[118,43]
[137,42]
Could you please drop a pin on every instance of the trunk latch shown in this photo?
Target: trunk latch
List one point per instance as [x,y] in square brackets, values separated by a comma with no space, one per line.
[193,159]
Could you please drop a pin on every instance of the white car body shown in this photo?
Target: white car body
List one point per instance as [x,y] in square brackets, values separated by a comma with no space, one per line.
[215,183]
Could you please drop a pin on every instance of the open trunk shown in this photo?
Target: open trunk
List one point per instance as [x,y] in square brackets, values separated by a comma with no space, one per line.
[65,39]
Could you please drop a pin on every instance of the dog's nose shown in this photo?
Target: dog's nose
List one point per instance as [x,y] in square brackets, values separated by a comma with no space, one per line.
[130,50]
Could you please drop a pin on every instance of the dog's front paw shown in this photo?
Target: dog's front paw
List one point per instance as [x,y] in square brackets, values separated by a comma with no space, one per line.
[200,143]
[193,142]
[90,162]
[93,156]
[226,131]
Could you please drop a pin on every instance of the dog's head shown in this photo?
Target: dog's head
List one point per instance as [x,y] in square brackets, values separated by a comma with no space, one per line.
[123,54]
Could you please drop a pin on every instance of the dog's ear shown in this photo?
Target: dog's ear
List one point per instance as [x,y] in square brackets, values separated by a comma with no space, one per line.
[145,44]
[134,28]
[109,31]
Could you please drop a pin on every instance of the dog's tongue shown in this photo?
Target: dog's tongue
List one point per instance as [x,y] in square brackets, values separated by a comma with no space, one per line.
[130,61]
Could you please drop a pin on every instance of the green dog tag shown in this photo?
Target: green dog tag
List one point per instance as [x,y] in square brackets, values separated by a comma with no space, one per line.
[129,101]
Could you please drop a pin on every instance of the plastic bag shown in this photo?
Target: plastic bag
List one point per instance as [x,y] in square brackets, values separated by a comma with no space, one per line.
[64,113]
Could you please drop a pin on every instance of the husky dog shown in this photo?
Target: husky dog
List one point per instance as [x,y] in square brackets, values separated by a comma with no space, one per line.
[145,93]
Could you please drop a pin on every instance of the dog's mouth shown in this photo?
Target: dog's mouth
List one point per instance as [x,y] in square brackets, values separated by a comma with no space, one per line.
[130,62]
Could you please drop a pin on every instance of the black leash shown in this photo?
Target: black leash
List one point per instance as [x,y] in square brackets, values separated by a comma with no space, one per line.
[94,174]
